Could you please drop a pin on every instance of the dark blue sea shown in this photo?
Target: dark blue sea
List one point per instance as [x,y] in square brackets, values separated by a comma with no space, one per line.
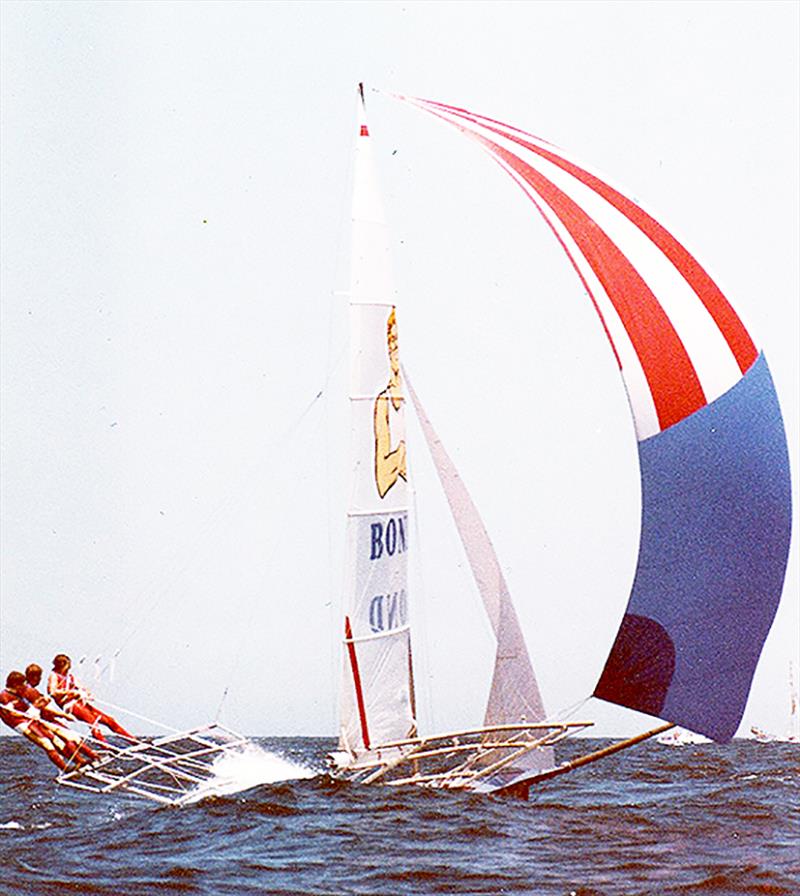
[656,819]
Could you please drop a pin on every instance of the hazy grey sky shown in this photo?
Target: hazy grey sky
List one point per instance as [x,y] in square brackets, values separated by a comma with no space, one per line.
[174,221]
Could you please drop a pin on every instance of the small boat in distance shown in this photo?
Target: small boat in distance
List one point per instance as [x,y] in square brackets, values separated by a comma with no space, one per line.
[715,495]
[680,737]
[792,735]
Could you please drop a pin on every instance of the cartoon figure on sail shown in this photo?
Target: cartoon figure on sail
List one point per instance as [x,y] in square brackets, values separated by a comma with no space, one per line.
[390,463]
[715,496]
[378,735]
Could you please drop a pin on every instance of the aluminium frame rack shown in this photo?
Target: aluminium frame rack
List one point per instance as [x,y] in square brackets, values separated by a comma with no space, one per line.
[172,770]
[476,759]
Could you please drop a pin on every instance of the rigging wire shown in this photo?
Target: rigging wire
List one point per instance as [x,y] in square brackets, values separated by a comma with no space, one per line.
[182,558]
[179,568]
[421,631]
[267,559]
[180,565]
[336,583]
[567,713]
[138,716]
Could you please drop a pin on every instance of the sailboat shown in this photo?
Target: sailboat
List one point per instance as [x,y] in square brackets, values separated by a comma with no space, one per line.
[681,737]
[715,492]
[792,735]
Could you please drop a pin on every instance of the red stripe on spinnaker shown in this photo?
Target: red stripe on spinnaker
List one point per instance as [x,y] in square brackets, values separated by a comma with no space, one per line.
[479,119]
[719,308]
[351,650]
[669,371]
[573,262]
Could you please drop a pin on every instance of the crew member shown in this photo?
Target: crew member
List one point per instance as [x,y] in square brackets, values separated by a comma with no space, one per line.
[51,714]
[18,714]
[74,699]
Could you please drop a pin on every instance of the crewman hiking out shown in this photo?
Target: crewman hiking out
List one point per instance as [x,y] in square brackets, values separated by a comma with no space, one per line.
[18,714]
[55,718]
[74,699]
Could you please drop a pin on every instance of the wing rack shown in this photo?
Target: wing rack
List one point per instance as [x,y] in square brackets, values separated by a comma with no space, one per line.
[173,770]
[477,759]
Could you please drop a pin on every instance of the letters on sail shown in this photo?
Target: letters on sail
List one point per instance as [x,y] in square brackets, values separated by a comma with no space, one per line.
[715,495]
[377,693]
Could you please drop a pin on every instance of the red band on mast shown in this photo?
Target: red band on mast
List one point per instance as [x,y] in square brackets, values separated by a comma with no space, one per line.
[351,650]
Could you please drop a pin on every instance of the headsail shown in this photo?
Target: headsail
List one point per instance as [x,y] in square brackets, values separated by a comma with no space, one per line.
[377,696]
[514,695]
[712,447]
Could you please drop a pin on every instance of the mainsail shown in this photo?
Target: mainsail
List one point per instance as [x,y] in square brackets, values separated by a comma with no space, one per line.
[377,693]
[378,736]
[712,446]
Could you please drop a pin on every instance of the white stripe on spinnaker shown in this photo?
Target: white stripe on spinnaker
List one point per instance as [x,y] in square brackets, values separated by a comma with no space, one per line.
[643,409]
[715,364]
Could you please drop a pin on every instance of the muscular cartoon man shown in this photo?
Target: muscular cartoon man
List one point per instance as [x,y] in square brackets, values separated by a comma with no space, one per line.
[390,462]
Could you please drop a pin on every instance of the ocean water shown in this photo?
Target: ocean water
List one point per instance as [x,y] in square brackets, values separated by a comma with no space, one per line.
[704,819]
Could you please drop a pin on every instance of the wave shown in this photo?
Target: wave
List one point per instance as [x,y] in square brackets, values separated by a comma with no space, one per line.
[248,768]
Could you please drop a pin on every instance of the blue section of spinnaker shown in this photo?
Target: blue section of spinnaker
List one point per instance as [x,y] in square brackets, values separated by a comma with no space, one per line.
[716,519]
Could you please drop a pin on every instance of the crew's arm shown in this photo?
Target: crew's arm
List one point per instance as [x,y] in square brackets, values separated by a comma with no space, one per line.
[388,464]
[53,710]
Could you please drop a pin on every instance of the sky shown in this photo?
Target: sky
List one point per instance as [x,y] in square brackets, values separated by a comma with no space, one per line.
[175,201]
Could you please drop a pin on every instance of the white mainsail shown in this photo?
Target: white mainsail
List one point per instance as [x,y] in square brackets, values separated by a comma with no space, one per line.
[378,727]
[377,694]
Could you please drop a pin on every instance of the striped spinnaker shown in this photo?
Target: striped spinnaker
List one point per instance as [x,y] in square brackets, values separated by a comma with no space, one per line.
[712,446]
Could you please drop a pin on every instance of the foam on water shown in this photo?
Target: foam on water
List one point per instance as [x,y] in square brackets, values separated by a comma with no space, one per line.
[249,767]
[649,820]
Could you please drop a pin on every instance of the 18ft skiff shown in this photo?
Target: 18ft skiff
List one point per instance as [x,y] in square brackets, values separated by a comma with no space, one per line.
[715,494]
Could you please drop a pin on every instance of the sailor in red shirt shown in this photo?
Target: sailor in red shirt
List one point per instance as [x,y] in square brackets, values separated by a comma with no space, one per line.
[54,718]
[18,714]
[74,699]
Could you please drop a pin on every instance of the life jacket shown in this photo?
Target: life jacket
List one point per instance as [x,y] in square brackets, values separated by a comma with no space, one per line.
[13,709]
[37,699]
[58,682]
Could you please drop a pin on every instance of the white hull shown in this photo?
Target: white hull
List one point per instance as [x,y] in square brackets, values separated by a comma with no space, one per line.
[680,737]
[764,737]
